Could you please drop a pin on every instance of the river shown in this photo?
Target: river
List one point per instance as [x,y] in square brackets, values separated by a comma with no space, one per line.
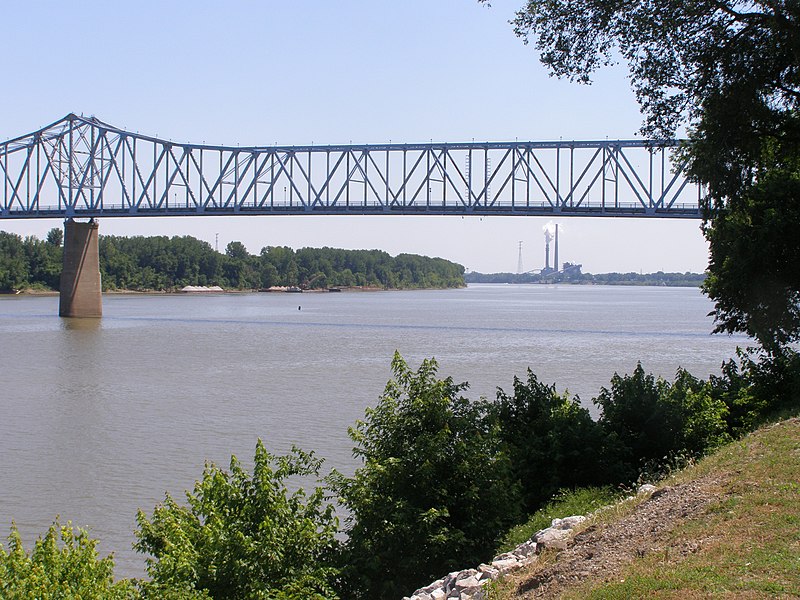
[100,417]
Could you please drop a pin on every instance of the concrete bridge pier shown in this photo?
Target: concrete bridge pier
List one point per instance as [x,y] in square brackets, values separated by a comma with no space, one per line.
[80,276]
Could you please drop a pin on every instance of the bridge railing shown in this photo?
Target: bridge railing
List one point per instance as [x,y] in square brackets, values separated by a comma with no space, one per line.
[83,167]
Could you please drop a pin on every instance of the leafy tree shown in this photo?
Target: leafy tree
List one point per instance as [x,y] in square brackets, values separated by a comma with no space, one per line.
[62,566]
[237,250]
[755,263]
[636,421]
[55,236]
[268,274]
[44,262]
[701,418]
[13,262]
[755,388]
[552,440]
[434,492]
[244,536]
[730,72]
[647,421]
[163,263]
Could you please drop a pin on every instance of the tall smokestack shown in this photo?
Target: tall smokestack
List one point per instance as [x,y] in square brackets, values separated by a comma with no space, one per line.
[547,253]
[548,237]
[555,265]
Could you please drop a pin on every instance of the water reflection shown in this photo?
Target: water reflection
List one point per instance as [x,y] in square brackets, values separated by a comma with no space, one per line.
[74,324]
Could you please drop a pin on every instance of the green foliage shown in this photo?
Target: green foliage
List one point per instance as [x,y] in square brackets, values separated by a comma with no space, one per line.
[162,263]
[635,421]
[324,267]
[26,263]
[13,263]
[757,388]
[755,263]
[433,493]
[62,566]
[681,56]
[55,236]
[700,417]
[159,262]
[552,440]
[729,72]
[647,421]
[236,250]
[573,275]
[243,536]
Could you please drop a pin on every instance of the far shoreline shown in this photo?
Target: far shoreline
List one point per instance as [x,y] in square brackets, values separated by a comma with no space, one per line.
[33,292]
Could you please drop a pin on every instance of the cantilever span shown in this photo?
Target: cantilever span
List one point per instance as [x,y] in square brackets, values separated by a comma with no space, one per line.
[82,167]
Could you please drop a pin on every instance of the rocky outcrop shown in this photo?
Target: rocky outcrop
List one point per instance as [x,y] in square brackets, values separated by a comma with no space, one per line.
[470,583]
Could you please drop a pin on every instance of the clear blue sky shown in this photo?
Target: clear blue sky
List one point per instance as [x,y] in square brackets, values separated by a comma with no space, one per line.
[260,71]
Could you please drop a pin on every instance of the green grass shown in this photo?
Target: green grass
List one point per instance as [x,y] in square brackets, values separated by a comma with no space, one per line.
[749,540]
[746,544]
[564,504]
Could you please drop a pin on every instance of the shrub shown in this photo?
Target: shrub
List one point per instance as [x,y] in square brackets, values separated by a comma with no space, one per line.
[647,421]
[63,565]
[635,421]
[243,536]
[434,492]
[552,441]
[699,417]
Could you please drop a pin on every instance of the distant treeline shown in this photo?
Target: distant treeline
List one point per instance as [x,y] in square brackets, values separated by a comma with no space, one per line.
[660,278]
[163,263]
[30,262]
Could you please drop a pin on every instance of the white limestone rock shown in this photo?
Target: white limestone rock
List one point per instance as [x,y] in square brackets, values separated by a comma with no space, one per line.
[468,582]
[505,565]
[526,549]
[555,539]
[568,522]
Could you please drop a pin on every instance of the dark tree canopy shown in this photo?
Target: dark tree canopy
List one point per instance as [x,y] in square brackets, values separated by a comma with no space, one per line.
[680,54]
[729,72]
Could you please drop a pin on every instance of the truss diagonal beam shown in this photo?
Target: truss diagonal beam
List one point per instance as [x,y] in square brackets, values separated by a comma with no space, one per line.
[82,167]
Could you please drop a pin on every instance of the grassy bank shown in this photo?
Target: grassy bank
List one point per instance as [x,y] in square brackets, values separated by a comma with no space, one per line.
[743,540]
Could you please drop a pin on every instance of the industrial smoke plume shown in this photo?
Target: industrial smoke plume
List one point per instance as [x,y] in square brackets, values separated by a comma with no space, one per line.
[549,231]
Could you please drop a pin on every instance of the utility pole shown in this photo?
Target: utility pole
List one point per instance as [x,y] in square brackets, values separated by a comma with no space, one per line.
[519,261]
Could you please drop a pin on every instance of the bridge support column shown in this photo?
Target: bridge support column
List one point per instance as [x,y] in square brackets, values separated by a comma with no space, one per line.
[80,275]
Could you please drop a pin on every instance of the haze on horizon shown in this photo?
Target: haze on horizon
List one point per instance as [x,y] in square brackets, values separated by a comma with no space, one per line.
[305,72]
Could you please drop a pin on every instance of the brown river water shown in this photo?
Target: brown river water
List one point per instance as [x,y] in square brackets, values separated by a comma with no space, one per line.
[101,417]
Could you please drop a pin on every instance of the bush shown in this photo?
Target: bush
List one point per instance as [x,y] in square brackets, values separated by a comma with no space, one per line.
[64,566]
[434,492]
[243,536]
[552,441]
[648,421]
[699,417]
[774,379]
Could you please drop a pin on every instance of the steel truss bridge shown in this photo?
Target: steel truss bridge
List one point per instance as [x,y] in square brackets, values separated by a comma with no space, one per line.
[82,167]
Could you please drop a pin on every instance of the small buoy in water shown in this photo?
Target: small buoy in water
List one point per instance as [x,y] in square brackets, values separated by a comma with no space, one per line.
[298,308]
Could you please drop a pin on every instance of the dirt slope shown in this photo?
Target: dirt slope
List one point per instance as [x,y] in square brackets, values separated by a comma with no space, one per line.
[604,551]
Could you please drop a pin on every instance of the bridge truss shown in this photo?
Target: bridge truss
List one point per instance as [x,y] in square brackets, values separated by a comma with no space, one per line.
[82,167]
